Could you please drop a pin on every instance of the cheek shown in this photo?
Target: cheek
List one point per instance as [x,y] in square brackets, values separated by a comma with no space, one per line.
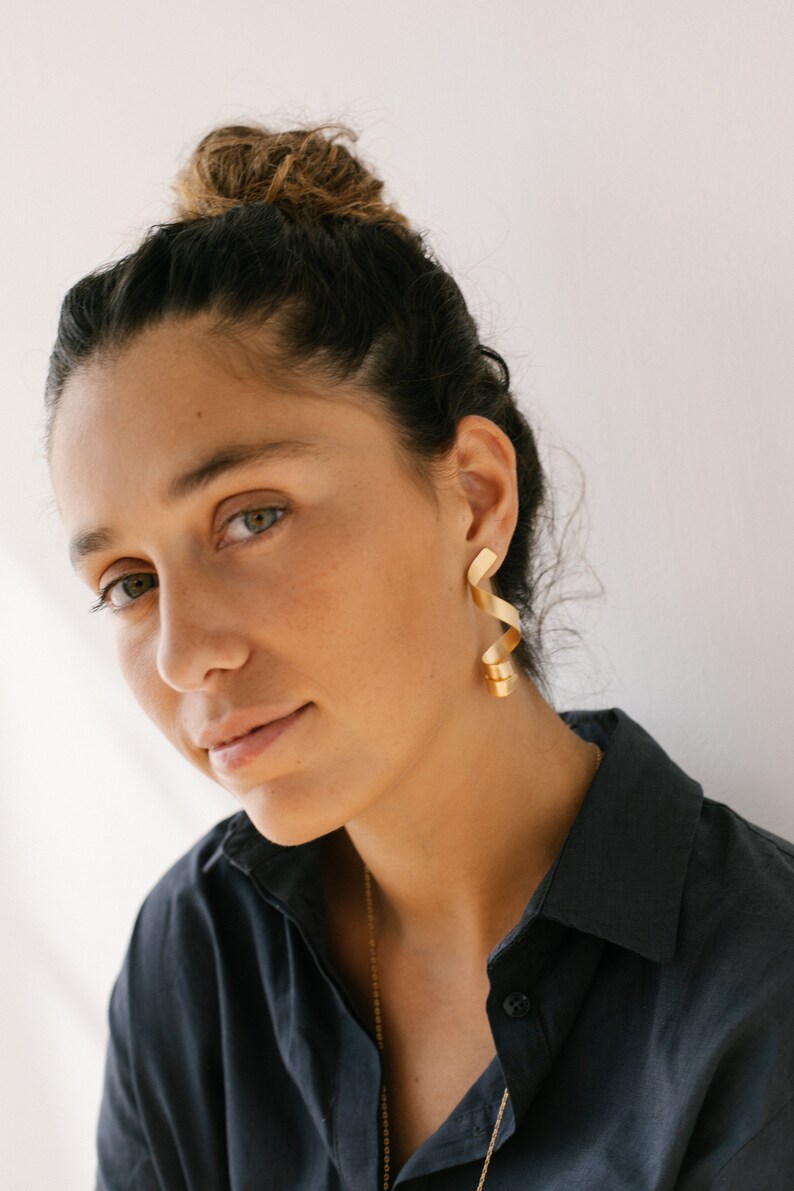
[377,616]
[137,662]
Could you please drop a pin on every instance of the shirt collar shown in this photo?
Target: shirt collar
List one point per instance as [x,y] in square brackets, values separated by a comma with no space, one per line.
[621,872]
[619,875]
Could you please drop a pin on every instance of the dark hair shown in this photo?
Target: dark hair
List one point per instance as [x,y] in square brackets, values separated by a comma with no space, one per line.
[291,227]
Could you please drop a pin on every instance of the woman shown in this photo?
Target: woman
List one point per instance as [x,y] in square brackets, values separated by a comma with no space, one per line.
[453,938]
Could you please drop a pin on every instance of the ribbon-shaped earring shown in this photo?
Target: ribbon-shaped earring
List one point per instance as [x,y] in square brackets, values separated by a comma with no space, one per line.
[500,674]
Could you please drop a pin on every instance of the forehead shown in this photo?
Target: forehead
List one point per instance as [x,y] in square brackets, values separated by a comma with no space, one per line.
[177,391]
[182,374]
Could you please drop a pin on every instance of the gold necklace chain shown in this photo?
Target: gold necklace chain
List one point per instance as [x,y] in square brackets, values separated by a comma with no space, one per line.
[379,1033]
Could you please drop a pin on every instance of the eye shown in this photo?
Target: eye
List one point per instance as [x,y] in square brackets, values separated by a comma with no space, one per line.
[257,519]
[129,585]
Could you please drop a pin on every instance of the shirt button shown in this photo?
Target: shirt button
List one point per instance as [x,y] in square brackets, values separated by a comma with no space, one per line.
[517,1004]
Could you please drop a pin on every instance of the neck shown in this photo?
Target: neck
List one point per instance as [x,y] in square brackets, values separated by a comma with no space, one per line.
[456,853]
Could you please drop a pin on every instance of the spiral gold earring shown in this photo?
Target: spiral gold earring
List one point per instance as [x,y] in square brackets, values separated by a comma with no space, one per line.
[500,674]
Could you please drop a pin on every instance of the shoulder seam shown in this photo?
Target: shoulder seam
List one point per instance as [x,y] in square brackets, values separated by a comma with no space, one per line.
[762,835]
[761,832]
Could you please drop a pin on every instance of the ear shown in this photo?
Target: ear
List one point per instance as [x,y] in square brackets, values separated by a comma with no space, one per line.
[485,463]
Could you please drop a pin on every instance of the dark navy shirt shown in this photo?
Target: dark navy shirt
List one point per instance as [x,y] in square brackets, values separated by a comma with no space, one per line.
[642,1011]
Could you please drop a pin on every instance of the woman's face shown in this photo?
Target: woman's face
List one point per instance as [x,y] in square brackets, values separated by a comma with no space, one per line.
[316,576]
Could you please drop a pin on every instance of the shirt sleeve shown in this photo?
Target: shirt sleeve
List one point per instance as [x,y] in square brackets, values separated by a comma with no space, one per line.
[766,1160]
[123,1159]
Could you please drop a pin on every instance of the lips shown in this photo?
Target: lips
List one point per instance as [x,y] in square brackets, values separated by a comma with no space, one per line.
[241,750]
[235,727]
[221,743]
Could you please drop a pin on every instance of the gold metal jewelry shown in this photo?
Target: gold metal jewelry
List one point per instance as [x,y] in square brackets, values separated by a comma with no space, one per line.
[379,1034]
[373,964]
[500,674]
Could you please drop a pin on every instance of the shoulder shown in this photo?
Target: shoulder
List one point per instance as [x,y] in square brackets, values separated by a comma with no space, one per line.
[181,914]
[733,971]
[744,875]
[737,909]
[730,996]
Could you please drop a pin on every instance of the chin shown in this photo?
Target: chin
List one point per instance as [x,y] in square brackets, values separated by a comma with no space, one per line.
[286,825]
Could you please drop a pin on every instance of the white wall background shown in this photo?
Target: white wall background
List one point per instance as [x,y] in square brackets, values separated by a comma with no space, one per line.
[613,183]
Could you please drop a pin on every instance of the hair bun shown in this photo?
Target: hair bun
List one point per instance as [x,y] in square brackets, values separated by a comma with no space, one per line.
[303,171]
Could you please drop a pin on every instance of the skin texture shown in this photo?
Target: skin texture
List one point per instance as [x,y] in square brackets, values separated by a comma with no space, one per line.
[356,601]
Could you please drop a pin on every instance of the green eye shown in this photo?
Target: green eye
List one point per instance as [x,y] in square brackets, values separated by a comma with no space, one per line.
[130,585]
[256,515]
[257,521]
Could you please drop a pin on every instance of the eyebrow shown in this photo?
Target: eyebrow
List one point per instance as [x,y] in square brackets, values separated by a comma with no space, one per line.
[202,473]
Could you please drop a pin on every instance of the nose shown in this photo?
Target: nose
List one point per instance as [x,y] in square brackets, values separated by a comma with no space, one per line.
[200,631]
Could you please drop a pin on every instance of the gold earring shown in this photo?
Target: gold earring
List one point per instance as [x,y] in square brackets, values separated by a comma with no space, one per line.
[500,674]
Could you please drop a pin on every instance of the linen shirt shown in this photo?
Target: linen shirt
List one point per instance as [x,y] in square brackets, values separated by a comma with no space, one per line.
[642,1011]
